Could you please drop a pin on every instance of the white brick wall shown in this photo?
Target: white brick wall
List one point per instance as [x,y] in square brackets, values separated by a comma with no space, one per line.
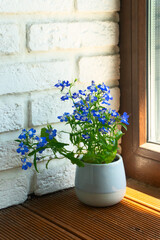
[11,116]
[44,37]
[106,69]
[27,77]
[36,6]
[98,6]
[42,41]
[45,108]
[9,38]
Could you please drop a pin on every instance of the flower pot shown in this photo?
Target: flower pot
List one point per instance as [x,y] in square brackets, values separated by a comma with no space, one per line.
[101,185]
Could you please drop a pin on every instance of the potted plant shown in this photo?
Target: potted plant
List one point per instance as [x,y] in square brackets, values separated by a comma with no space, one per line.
[95,130]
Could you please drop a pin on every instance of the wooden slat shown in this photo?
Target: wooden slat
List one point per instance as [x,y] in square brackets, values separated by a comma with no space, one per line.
[127,220]
[61,216]
[18,223]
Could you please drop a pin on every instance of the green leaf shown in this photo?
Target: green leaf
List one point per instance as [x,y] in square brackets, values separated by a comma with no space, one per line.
[43,132]
[32,153]
[123,125]
[18,141]
[74,160]
[35,163]
[119,134]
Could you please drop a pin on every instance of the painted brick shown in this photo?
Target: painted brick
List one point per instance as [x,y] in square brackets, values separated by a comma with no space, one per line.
[9,158]
[47,108]
[59,175]
[35,6]
[9,38]
[50,36]
[14,187]
[100,69]
[98,6]
[11,116]
[26,77]
[115,103]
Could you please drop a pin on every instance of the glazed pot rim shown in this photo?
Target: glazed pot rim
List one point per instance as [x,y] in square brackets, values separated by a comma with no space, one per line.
[105,164]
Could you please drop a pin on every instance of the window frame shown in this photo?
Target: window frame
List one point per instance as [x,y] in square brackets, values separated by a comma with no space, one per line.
[141,159]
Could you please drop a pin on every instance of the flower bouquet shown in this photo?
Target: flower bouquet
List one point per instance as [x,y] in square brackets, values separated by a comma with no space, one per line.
[95,130]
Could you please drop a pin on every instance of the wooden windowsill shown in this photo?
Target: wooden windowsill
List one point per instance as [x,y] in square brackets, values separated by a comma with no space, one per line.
[61,216]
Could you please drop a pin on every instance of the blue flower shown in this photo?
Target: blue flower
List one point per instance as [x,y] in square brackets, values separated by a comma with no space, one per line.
[107,103]
[31,132]
[92,88]
[78,104]
[84,109]
[111,121]
[86,136]
[124,118]
[103,110]
[103,87]
[95,113]
[41,143]
[52,133]
[58,84]
[23,134]
[64,117]
[22,149]
[114,113]
[93,99]
[102,120]
[84,118]
[107,97]
[82,92]
[75,95]
[26,164]
[77,117]
[103,130]
[62,84]
[65,97]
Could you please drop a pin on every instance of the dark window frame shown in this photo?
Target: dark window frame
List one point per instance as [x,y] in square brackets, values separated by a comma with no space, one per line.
[141,159]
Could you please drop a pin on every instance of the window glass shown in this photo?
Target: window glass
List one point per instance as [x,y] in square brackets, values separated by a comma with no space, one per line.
[154,71]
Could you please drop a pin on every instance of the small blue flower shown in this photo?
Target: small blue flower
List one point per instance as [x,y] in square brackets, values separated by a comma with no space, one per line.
[75,95]
[107,97]
[125,117]
[103,110]
[58,84]
[77,117]
[93,99]
[64,117]
[41,143]
[92,88]
[114,113]
[31,132]
[23,134]
[82,92]
[86,136]
[95,113]
[111,121]
[78,104]
[26,164]
[62,84]
[84,118]
[65,97]
[22,149]
[107,103]
[103,87]
[52,133]
[84,109]
[103,130]
[102,120]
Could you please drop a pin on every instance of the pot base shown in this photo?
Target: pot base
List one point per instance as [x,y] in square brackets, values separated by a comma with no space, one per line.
[99,199]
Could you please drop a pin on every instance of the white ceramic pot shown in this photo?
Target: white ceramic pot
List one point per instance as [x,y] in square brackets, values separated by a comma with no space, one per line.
[101,185]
